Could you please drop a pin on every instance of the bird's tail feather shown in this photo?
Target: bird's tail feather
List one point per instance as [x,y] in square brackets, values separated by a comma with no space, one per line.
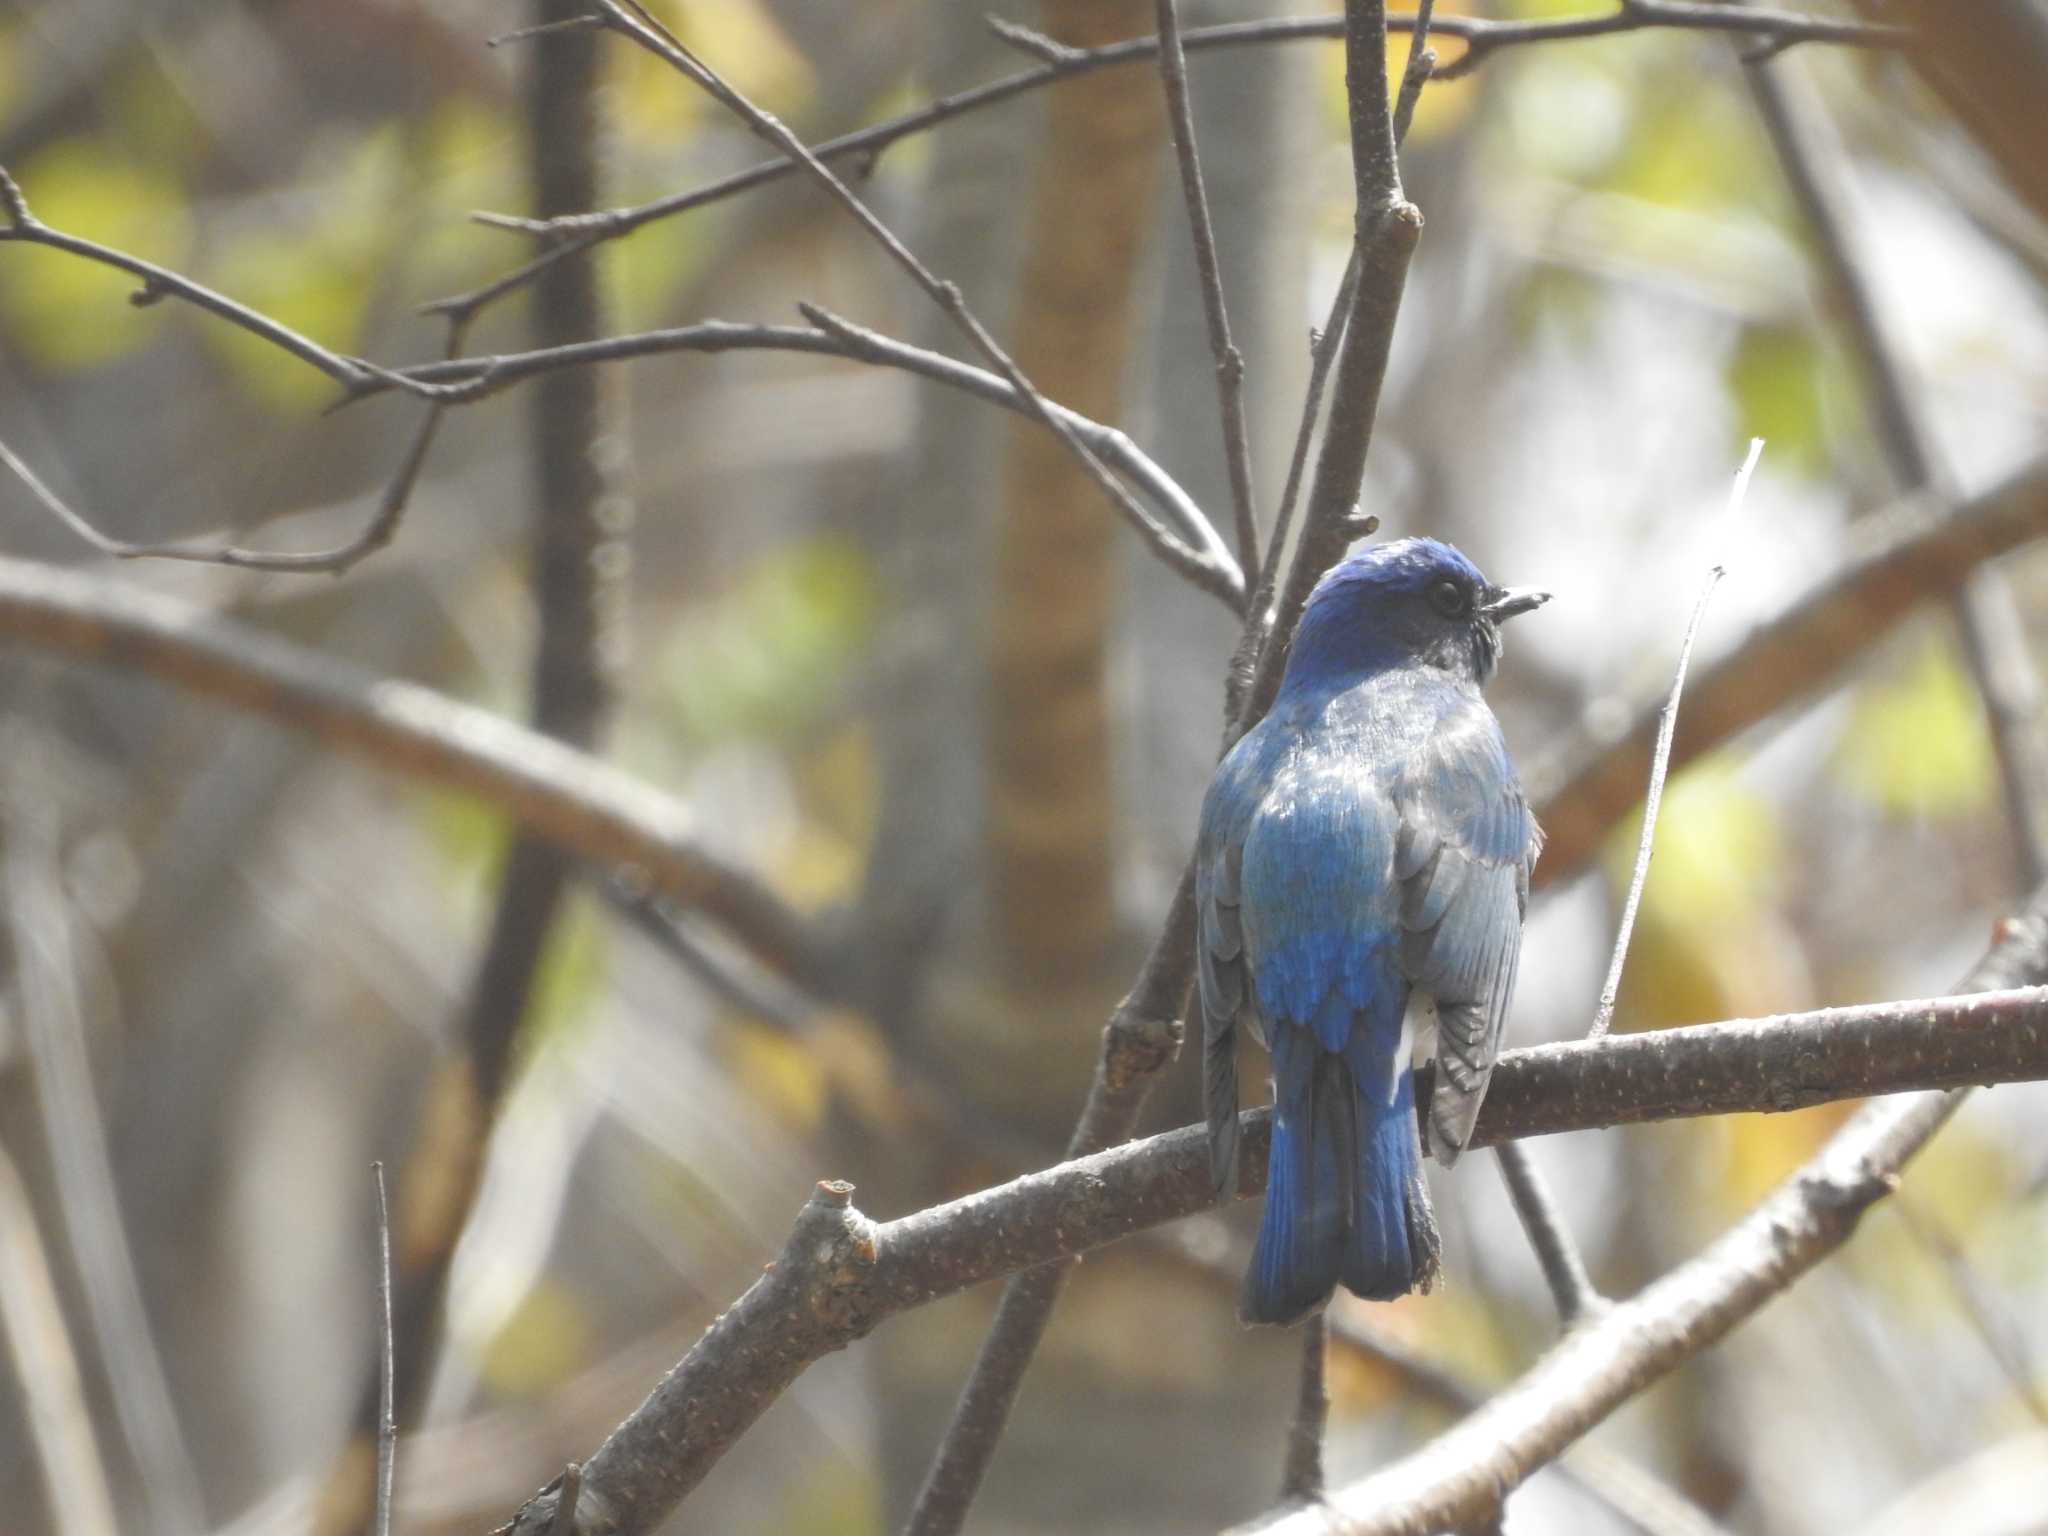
[1345,1197]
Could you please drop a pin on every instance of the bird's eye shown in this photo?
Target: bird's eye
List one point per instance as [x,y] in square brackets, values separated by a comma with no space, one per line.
[1449,598]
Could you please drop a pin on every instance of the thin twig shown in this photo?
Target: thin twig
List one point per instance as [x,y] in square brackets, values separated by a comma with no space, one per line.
[577,233]
[1323,346]
[53,1028]
[575,569]
[1322,353]
[1173,71]
[1142,1037]
[1919,548]
[544,29]
[1630,1491]
[841,1275]
[635,22]
[387,1367]
[1180,535]
[1301,1478]
[22,227]
[1420,67]
[1464,1475]
[73,1471]
[376,533]
[1564,1267]
[1660,763]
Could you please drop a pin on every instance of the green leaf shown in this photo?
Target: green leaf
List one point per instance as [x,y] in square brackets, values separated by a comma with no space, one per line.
[1774,377]
[765,660]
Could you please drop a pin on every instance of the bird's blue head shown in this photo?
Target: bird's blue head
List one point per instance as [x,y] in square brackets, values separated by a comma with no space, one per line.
[1414,601]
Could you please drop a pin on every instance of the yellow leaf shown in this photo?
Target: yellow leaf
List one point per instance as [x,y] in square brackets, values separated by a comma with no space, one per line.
[1917,745]
[1759,1152]
[1718,851]
[743,42]
[779,1070]
[855,1059]
[544,1341]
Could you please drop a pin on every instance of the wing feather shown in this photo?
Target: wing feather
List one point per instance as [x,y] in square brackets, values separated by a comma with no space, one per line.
[1462,909]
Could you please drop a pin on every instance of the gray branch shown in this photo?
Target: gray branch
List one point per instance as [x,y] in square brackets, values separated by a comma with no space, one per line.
[841,1275]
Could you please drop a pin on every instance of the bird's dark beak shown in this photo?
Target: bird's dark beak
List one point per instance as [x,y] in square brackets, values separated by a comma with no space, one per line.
[1506,602]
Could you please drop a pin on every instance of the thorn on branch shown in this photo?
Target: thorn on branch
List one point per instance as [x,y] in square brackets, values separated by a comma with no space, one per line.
[16,206]
[1477,46]
[539,29]
[151,292]
[515,223]
[836,326]
[1139,1044]
[1037,44]
[569,1493]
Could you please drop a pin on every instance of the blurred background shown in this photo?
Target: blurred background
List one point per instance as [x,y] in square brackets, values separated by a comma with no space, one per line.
[903,663]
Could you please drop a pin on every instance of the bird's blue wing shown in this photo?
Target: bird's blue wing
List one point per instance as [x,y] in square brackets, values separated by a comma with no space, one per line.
[1221,969]
[1464,850]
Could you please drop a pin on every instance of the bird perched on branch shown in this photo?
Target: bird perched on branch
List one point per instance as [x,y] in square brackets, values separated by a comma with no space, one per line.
[1361,874]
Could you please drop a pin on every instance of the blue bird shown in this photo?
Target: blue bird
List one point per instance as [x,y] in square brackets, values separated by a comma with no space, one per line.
[1360,877]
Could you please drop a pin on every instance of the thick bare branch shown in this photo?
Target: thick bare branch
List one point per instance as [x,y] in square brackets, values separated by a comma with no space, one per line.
[556,792]
[1385,229]
[841,1275]
[1915,550]
[1145,1033]
[1465,1474]
[1817,171]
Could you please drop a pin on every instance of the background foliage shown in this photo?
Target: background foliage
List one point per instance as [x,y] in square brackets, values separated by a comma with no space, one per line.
[839,653]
